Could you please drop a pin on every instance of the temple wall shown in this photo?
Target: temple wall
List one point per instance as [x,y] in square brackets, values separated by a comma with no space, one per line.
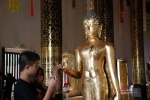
[21,28]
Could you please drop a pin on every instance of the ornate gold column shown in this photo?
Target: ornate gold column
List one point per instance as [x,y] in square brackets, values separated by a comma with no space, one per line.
[51,35]
[137,47]
[105,10]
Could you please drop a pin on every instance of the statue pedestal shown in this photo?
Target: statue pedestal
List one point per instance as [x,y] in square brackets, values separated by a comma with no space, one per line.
[139,92]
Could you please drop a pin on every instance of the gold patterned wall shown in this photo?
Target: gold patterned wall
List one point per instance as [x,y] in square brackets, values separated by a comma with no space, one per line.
[51,35]
[105,11]
[137,46]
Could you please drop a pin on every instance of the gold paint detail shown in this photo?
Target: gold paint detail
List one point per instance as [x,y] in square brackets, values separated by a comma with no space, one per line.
[105,12]
[51,23]
[51,56]
[51,35]
[137,45]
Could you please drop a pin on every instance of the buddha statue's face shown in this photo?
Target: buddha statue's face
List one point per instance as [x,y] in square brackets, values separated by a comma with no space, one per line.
[92,27]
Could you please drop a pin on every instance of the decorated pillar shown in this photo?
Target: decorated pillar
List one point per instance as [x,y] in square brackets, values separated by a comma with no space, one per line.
[51,35]
[105,10]
[137,46]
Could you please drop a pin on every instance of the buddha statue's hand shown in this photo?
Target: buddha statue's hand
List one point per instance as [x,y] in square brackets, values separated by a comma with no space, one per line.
[64,69]
[64,66]
[118,96]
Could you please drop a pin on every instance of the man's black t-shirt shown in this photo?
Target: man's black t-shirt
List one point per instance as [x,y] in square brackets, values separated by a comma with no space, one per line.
[25,91]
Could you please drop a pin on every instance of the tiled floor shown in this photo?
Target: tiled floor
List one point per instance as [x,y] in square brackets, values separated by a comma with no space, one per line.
[125,96]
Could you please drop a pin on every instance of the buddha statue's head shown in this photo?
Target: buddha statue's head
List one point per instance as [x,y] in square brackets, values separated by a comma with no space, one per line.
[92,24]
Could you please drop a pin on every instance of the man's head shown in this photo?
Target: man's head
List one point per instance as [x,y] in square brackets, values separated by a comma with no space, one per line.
[29,61]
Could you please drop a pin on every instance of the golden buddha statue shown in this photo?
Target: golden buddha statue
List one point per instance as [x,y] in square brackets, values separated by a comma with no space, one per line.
[69,59]
[90,57]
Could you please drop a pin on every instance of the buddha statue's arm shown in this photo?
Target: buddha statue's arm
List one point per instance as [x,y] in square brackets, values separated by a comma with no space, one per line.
[75,73]
[110,59]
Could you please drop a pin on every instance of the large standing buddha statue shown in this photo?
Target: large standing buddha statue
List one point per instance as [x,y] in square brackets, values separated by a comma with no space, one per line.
[97,76]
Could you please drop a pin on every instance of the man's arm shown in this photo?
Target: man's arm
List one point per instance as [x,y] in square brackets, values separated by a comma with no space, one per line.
[51,87]
[57,94]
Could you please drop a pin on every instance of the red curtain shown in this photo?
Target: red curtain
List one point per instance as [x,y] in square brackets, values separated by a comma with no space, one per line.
[73,4]
[32,9]
[121,11]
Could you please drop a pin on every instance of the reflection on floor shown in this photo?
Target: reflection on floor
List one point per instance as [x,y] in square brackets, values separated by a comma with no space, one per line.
[125,96]
[74,98]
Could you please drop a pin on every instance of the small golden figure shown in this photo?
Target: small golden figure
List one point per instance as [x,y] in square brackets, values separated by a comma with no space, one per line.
[90,57]
[68,60]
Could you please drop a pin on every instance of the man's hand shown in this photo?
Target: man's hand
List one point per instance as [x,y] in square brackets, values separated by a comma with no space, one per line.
[57,71]
[52,81]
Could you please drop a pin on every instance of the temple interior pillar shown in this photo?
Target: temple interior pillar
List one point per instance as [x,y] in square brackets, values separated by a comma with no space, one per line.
[51,35]
[105,11]
[137,45]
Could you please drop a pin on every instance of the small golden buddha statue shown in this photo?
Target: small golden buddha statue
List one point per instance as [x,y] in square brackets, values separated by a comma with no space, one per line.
[90,57]
[68,60]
